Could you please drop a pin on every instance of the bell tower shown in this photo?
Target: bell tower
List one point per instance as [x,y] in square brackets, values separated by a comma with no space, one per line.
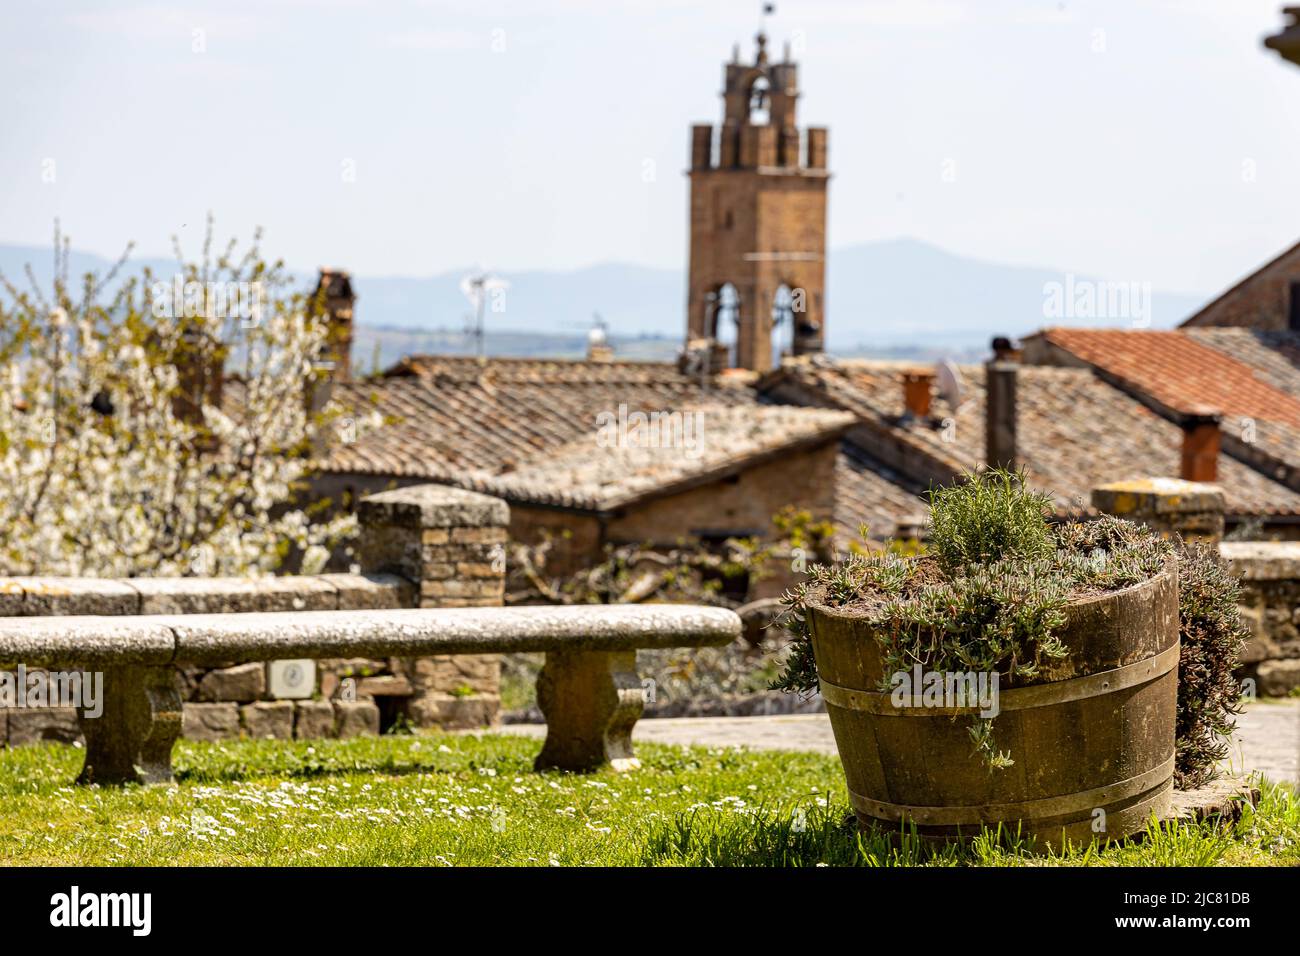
[758,218]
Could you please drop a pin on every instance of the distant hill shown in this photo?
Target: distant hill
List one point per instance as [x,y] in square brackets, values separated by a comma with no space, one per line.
[895,295]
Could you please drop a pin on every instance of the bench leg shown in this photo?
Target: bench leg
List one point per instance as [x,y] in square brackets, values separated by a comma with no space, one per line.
[131,740]
[591,701]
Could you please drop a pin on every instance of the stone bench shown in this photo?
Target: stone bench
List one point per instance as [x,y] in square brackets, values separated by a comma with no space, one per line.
[588,689]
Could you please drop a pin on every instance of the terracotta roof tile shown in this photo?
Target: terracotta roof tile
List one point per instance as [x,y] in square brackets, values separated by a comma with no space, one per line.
[1180,372]
[1272,356]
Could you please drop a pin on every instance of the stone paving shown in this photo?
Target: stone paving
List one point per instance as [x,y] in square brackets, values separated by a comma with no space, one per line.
[1267,737]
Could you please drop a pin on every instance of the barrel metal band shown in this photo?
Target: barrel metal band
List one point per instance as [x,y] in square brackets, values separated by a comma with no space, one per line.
[1043,808]
[1017,698]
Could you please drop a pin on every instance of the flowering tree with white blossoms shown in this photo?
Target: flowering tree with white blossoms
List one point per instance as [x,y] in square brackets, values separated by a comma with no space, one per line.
[161,427]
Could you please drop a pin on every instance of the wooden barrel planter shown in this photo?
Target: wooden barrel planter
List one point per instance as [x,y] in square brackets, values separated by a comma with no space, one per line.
[1095,730]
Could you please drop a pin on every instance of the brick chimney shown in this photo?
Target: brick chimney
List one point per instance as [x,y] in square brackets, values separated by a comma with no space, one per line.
[199,358]
[334,365]
[917,392]
[335,288]
[1200,458]
[1000,406]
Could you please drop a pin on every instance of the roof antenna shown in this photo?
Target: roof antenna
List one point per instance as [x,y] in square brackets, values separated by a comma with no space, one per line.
[477,286]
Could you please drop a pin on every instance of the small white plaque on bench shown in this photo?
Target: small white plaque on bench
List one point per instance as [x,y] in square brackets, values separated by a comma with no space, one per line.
[292,680]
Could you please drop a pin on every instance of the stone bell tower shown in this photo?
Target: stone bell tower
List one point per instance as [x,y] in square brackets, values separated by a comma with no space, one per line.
[758,218]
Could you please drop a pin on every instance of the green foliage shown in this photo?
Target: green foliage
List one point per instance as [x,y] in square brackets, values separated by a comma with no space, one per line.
[991,516]
[1212,636]
[796,527]
[815,833]
[467,800]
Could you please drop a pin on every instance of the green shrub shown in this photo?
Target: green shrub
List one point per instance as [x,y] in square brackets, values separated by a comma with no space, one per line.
[989,517]
[1212,636]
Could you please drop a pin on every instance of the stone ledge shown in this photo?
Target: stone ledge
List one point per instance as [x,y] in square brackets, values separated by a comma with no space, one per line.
[1263,560]
[1159,496]
[370,591]
[227,595]
[433,506]
[54,596]
[49,596]
[1223,798]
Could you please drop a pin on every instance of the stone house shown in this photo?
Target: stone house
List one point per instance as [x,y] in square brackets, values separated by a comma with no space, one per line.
[591,453]
[1239,384]
[1069,427]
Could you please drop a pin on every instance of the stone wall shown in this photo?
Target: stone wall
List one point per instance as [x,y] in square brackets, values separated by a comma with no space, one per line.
[423,546]
[1270,580]
[1269,570]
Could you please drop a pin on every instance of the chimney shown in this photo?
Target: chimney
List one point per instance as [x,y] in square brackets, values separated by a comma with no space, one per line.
[334,365]
[1200,458]
[1004,350]
[199,358]
[1000,406]
[917,392]
[335,288]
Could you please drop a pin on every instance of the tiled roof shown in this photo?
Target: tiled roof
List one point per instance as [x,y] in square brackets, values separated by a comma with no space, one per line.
[601,471]
[468,370]
[1074,431]
[869,493]
[499,416]
[529,430]
[1180,372]
[1272,356]
[1247,375]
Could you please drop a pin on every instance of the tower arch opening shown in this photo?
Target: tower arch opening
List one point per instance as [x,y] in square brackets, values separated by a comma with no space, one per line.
[783,322]
[760,101]
[724,318]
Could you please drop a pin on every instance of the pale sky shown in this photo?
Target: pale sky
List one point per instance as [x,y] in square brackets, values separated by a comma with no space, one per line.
[1142,140]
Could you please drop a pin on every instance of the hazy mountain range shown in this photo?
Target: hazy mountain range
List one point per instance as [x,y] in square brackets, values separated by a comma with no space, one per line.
[892,296]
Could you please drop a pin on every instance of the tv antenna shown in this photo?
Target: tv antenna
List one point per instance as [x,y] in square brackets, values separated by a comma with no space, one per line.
[477,286]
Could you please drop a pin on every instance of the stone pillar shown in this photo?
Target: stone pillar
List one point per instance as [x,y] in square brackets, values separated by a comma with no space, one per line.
[1169,506]
[451,544]
[1270,608]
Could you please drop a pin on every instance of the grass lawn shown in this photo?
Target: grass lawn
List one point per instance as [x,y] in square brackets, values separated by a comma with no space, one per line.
[466,800]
